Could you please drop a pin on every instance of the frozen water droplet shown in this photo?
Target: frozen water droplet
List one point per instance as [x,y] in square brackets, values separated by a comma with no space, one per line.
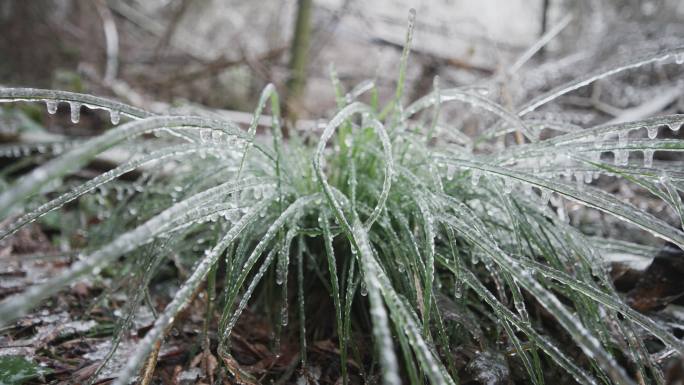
[674,126]
[75,111]
[114,116]
[652,132]
[51,106]
[648,158]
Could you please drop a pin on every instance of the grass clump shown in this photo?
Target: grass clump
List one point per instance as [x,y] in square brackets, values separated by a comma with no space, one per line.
[430,241]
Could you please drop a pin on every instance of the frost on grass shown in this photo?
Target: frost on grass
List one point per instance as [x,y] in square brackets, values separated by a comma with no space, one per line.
[446,243]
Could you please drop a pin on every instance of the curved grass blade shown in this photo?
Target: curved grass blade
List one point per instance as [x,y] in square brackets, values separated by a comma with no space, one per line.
[92,102]
[183,295]
[596,75]
[76,158]
[16,306]
[588,196]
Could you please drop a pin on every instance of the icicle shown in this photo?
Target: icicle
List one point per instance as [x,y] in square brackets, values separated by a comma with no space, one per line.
[276,343]
[536,165]
[544,198]
[217,136]
[527,190]
[562,214]
[114,116]
[257,192]
[595,156]
[679,58]
[521,309]
[622,156]
[75,111]
[51,106]
[281,272]
[598,142]
[623,138]
[598,268]
[458,289]
[284,314]
[119,193]
[567,175]
[508,186]
[205,135]
[450,172]
[579,178]
[674,126]
[652,132]
[475,177]
[648,158]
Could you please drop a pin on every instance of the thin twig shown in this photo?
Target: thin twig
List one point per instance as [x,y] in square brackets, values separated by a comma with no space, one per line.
[151,364]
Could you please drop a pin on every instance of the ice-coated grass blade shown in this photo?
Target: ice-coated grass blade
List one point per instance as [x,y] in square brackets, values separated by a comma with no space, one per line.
[590,197]
[549,348]
[76,158]
[586,341]
[183,295]
[16,306]
[597,75]
[53,96]
[404,321]
[334,283]
[90,185]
